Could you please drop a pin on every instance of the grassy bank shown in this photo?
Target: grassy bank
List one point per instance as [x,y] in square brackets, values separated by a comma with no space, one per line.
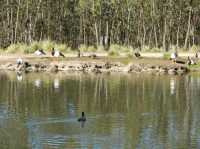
[114,50]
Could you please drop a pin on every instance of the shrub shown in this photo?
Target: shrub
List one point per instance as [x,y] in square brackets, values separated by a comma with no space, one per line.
[166,55]
[126,49]
[194,48]
[115,47]
[13,48]
[113,52]
[129,54]
[61,47]
[83,48]
[100,49]
[47,45]
[91,49]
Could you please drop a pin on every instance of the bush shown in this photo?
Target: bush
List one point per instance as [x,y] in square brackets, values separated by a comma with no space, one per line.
[27,49]
[91,49]
[100,49]
[61,47]
[113,52]
[150,49]
[129,54]
[166,55]
[83,48]
[194,48]
[126,49]
[47,45]
[32,47]
[115,47]
[13,48]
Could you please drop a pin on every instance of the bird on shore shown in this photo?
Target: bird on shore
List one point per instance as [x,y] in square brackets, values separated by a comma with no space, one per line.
[82,118]
[137,54]
[197,54]
[190,61]
[93,56]
[174,56]
[39,52]
[19,62]
[56,53]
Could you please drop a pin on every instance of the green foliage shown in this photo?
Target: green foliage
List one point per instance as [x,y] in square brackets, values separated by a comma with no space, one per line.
[100,49]
[31,48]
[113,53]
[16,48]
[115,47]
[85,48]
[75,22]
[47,45]
[62,47]
[166,55]
[150,49]
[129,54]
[91,49]
[194,48]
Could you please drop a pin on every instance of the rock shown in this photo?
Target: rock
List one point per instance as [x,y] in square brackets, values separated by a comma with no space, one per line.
[98,66]
[93,56]
[172,71]
[107,65]
[182,70]
[26,64]
[28,69]
[96,70]
[53,68]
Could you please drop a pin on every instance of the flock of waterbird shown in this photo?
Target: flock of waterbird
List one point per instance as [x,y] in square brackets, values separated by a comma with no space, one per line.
[54,53]
[190,60]
[175,58]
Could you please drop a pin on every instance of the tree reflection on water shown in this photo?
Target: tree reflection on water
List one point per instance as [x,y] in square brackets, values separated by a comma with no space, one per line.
[123,111]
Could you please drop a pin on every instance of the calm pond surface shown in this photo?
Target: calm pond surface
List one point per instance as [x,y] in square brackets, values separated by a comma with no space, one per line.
[124,111]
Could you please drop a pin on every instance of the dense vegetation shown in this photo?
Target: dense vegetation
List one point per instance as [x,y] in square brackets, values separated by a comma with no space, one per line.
[136,23]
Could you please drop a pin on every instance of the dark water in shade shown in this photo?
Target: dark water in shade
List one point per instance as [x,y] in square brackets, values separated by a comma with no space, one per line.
[40,111]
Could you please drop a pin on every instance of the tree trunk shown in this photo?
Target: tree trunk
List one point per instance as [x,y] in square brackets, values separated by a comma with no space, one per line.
[188,29]
[16,23]
[96,33]
[164,34]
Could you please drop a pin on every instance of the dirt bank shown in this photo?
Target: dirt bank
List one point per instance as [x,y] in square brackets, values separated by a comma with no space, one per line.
[100,64]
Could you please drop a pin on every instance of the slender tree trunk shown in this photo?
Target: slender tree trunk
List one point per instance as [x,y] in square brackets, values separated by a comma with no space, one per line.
[16,23]
[8,22]
[96,33]
[164,34]
[188,29]
[155,36]
[178,30]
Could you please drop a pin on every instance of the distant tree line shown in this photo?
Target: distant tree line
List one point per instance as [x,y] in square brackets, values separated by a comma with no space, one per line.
[155,23]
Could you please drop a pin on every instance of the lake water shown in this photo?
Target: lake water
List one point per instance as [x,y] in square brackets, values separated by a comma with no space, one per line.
[123,111]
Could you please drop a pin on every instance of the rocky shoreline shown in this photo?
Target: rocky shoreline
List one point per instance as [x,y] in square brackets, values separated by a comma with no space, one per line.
[95,67]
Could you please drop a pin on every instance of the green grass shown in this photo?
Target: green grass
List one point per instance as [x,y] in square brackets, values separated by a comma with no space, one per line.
[150,49]
[84,48]
[46,45]
[113,51]
[166,55]
[195,66]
